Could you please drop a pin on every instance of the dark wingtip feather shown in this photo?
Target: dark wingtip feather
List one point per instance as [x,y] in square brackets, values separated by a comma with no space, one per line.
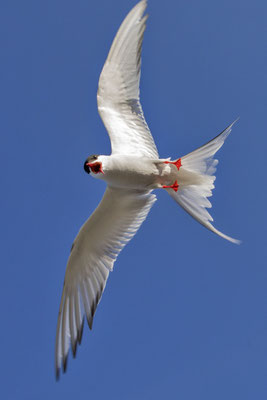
[93,308]
[74,348]
[80,333]
[65,363]
[57,374]
[89,321]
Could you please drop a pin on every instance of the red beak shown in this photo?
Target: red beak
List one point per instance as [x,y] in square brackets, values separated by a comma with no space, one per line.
[96,167]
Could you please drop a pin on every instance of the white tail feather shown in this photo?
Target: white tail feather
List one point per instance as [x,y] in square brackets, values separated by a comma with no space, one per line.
[197,181]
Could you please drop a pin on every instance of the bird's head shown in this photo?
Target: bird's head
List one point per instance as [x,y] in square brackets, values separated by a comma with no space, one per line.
[93,164]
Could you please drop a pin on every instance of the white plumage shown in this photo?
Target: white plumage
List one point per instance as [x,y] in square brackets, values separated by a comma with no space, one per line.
[94,251]
[118,90]
[131,172]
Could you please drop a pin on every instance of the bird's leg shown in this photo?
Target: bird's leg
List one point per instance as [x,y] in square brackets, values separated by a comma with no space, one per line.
[175,186]
[177,163]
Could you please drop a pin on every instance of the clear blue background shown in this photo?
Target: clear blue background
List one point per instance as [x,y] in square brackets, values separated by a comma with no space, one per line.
[184,314]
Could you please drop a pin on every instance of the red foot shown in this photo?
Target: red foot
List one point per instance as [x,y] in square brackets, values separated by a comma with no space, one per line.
[177,163]
[175,186]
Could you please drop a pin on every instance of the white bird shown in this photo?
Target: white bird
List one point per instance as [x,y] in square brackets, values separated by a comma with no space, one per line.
[131,172]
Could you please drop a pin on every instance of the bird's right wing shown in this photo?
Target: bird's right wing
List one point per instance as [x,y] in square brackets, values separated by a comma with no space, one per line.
[94,251]
[118,90]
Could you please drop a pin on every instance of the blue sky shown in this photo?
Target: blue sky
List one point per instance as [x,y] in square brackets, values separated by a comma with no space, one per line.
[184,314]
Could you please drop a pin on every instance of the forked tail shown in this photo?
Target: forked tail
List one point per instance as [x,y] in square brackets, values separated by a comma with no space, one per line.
[197,181]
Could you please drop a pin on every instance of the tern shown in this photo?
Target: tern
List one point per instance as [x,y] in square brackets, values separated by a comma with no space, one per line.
[132,172]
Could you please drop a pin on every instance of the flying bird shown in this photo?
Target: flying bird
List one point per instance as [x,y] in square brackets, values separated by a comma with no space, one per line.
[132,172]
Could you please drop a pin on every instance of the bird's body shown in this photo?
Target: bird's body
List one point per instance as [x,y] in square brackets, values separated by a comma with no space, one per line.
[132,172]
[137,173]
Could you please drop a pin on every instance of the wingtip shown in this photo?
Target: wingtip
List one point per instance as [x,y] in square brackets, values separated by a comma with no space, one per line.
[57,373]
[143,2]
[80,333]
[74,348]
[89,319]
[226,132]
[142,5]
[65,363]
[91,324]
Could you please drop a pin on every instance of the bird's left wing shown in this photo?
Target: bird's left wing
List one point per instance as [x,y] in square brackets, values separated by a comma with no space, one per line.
[118,90]
[94,251]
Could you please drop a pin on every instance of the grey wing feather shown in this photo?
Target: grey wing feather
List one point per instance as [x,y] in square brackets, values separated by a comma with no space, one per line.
[96,247]
[118,91]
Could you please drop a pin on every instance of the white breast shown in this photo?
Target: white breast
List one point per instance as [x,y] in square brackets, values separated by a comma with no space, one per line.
[128,171]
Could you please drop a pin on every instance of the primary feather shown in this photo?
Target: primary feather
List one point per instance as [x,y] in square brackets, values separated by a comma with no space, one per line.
[95,249]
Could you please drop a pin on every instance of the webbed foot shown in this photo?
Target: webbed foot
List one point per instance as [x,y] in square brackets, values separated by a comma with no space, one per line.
[175,186]
[177,163]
